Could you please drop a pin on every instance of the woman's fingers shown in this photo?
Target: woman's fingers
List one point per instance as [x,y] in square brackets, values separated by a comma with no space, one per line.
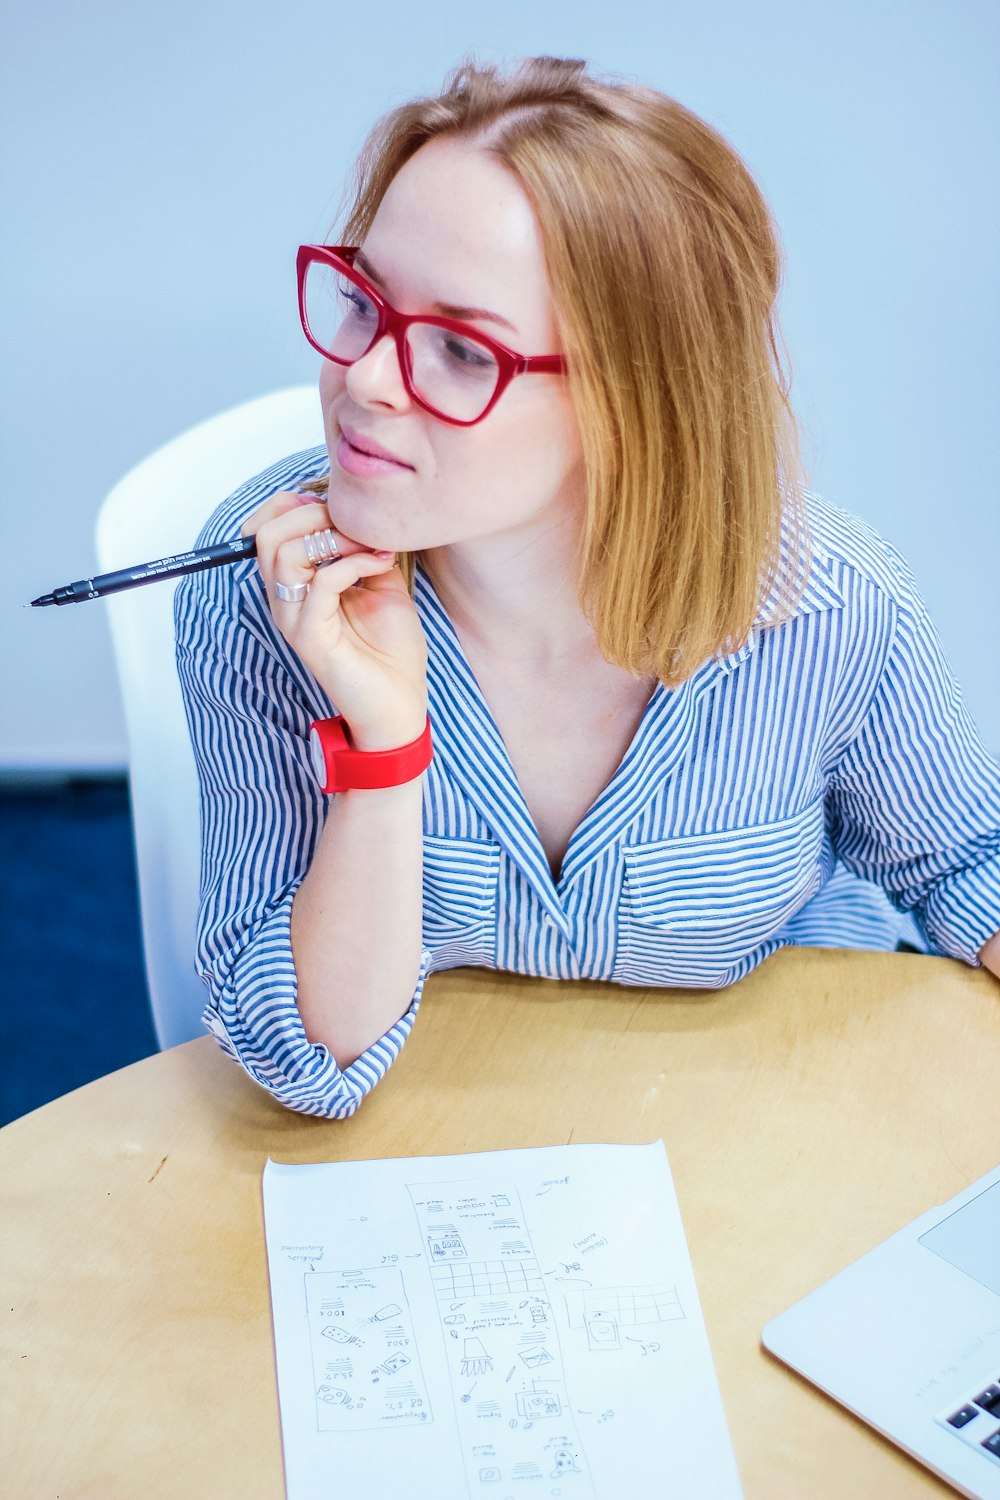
[287,517]
[284,562]
[278,504]
[281,526]
[292,513]
[334,636]
[318,614]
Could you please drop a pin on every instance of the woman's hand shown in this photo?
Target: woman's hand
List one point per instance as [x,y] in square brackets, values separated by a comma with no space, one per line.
[365,646]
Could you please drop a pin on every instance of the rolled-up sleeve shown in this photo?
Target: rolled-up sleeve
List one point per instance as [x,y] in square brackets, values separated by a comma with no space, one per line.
[914,803]
[248,708]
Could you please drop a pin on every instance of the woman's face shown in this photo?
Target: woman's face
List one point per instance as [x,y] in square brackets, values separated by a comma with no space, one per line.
[455,229]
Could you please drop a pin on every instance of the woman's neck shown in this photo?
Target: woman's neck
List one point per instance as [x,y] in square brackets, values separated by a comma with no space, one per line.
[514,599]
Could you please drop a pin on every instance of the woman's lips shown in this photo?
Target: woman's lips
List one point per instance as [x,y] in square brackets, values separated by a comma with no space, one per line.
[355,460]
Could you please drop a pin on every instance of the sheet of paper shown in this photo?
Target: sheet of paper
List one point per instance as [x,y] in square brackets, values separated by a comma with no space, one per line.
[498,1325]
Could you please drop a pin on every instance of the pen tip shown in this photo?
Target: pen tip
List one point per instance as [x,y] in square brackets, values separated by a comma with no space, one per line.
[43,599]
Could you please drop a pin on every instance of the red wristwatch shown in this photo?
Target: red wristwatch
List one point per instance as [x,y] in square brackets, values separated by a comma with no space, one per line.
[341,768]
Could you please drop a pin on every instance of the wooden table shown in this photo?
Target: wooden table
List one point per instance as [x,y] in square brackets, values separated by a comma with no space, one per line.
[808,1112]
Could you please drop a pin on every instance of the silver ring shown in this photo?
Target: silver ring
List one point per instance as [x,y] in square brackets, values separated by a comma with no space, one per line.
[321,548]
[293,593]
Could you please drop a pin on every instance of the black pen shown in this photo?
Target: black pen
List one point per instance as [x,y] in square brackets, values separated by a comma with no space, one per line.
[177,566]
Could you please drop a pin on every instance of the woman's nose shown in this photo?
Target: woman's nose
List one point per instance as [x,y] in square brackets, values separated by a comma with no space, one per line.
[376,377]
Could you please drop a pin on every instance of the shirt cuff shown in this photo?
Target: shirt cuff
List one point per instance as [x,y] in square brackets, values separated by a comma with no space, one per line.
[256,1021]
[962,913]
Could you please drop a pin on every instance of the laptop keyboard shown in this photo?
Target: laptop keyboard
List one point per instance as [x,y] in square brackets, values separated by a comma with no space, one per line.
[976,1419]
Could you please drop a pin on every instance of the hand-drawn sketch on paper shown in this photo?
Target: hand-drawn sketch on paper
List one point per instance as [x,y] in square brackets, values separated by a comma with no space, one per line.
[366,1363]
[489,1326]
[607,1313]
[495,1284]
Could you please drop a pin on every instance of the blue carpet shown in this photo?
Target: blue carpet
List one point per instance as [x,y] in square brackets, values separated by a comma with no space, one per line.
[75,1004]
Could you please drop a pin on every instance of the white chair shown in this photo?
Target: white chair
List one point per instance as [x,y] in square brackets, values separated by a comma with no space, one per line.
[157,509]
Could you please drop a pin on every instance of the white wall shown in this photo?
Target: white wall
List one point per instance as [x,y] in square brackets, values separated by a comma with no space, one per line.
[162,162]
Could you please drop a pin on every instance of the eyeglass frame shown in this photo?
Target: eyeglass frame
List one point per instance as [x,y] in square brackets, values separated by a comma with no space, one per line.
[395,324]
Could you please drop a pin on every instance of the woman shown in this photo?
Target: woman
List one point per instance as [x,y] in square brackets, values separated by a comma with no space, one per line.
[683,711]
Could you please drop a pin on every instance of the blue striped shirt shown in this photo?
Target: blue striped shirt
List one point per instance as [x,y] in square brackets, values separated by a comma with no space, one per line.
[822,785]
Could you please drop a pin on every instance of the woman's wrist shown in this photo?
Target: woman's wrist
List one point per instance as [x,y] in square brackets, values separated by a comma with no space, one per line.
[387,737]
[340,764]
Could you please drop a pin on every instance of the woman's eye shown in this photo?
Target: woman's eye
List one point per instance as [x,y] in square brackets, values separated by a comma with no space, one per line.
[470,356]
[358,305]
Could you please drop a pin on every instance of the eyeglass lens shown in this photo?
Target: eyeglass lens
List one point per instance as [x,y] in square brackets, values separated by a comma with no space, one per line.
[455,374]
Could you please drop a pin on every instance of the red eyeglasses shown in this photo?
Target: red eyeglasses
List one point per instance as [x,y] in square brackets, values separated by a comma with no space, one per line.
[450,369]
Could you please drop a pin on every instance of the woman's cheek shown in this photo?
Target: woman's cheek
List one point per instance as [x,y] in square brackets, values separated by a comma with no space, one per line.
[331,388]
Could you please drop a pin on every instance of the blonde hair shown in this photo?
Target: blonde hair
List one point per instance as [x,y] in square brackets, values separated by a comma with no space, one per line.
[664,266]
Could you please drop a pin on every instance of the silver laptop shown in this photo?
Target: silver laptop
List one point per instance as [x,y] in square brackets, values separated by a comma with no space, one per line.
[908,1337]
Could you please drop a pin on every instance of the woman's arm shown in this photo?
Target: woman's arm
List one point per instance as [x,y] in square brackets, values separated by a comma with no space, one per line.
[356,918]
[914,801]
[263,819]
[282,862]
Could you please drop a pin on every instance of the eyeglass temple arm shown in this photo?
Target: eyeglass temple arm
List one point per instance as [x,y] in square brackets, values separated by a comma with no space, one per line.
[543,364]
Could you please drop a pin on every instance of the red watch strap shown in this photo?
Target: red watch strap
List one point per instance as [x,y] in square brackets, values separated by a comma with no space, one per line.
[341,768]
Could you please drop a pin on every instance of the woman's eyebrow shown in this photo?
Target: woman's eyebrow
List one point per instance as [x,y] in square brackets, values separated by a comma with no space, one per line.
[446,309]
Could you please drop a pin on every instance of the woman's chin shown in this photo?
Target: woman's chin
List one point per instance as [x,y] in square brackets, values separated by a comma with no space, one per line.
[341,519]
[353,526]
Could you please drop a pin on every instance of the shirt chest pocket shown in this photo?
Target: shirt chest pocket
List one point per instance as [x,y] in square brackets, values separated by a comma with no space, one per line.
[460,897]
[693,907]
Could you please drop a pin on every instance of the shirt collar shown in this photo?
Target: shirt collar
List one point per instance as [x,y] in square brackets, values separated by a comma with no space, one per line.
[819,591]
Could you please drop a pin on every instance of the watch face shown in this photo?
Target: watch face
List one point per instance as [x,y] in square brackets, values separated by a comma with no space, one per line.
[318,758]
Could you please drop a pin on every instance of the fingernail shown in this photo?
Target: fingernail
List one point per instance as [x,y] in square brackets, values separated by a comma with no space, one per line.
[385,554]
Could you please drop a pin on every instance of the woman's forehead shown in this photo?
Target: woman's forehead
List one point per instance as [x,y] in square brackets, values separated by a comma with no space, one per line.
[455,227]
